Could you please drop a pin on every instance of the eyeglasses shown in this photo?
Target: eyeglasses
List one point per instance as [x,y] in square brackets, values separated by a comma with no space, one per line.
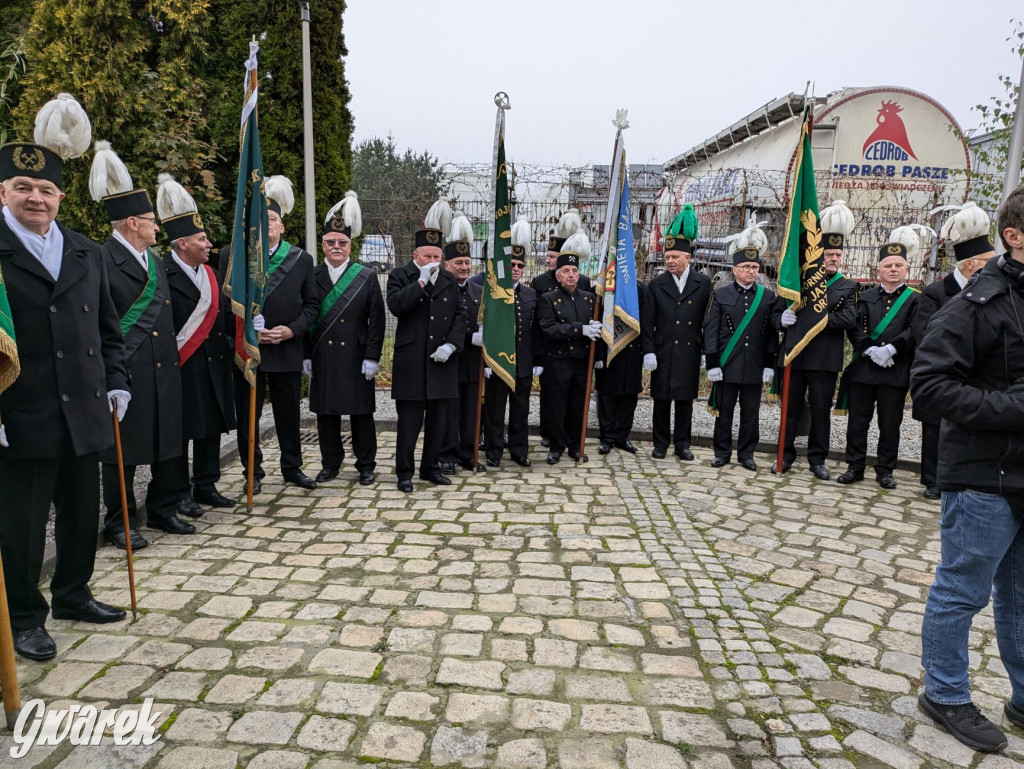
[749,267]
[146,219]
[518,265]
[333,243]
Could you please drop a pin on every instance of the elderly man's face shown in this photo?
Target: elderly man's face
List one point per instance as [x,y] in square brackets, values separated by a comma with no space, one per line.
[518,265]
[461,268]
[833,259]
[194,250]
[33,202]
[275,227]
[893,270]
[336,248]
[425,255]
[145,228]
[746,273]
[676,262]
[552,259]
[568,276]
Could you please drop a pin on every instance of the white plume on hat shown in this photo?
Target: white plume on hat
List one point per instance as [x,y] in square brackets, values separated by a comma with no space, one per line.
[577,243]
[279,189]
[108,175]
[569,224]
[967,223]
[838,218]
[63,126]
[751,237]
[907,237]
[351,213]
[522,232]
[439,217]
[461,229]
[172,199]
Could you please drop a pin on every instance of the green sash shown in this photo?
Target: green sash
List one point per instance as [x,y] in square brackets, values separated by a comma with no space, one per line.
[277,259]
[131,317]
[733,341]
[833,279]
[350,274]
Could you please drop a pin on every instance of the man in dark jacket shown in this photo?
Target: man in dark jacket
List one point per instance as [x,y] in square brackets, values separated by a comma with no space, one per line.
[968,232]
[345,344]
[618,386]
[55,416]
[969,370]
[671,339]
[431,327]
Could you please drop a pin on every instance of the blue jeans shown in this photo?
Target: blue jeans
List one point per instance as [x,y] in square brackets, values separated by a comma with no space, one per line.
[982,555]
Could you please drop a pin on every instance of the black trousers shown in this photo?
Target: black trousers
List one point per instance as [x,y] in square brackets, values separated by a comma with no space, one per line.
[27,487]
[411,417]
[459,438]
[749,397]
[615,417]
[863,399]
[496,395]
[929,454]
[819,389]
[679,435]
[545,390]
[567,379]
[163,493]
[364,441]
[205,467]
[285,391]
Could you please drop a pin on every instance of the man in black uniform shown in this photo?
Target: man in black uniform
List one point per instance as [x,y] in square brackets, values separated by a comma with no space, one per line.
[151,432]
[879,373]
[460,438]
[55,417]
[431,327]
[205,327]
[968,231]
[529,352]
[740,346]
[618,386]
[816,368]
[565,316]
[671,339]
[345,344]
[289,308]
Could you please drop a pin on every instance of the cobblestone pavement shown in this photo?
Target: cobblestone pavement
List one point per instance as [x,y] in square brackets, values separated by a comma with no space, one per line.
[623,613]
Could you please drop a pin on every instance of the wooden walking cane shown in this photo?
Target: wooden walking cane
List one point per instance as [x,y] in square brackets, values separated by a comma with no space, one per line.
[252,446]
[8,670]
[590,383]
[124,516]
[479,411]
[781,446]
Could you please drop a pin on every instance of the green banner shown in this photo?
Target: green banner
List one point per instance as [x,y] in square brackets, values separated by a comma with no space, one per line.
[499,300]
[10,366]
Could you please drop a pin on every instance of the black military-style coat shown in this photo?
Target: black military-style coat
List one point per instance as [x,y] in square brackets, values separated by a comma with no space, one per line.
[932,297]
[872,305]
[547,281]
[759,345]
[428,317]
[291,301]
[562,316]
[825,351]
[207,397]
[624,375]
[672,327]
[151,429]
[70,347]
[469,357]
[352,331]
[530,345]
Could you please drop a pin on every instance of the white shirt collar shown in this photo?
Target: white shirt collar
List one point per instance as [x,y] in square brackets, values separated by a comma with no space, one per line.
[894,290]
[48,249]
[336,272]
[961,280]
[188,269]
[681,279]
[139,255]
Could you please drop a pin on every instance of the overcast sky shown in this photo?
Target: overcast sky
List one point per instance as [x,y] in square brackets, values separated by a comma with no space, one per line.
[426,71]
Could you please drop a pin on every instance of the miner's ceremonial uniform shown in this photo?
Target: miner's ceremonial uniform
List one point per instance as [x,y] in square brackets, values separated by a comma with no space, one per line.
[618,386]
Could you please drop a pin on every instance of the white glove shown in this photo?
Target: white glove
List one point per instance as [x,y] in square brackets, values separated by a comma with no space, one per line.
[119,402]
[427,270]
[703,362]
[538,370]
[478,338]
[788,318]
[258,323]
[592,330]
[714,375]
[599,365]
[3,437]
[369,369]
[881,356]
[767,375]
[487,372]
[443,353]
[307,367]
[650,361]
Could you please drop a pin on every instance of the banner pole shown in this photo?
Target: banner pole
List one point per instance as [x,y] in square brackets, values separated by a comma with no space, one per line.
[252,445]
[8,667]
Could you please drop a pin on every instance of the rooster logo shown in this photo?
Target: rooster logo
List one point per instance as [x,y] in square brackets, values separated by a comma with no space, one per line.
[890,130]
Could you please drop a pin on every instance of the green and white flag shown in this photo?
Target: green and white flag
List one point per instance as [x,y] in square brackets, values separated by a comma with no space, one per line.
[499,301]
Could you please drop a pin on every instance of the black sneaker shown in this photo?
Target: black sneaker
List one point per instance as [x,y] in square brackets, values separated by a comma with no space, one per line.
[966,723]
[1014,714]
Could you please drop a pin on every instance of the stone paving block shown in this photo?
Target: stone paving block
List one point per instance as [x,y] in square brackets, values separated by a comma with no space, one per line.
[642,754]
[693,729]
[196,725]
[342,662]
[264,727]
[586,754]
[603,688]
[549,652]
[665,665]
[287,692]
[477,709]
[619,635]
[188,757]
[680,692]
[235,690]
[350,699]
[521,625]
[157,653]
[574,629]
[479,675]
[101,647]
[603,658]
[269,658]
[279,759]
[325,734]
[462,644]
[233,607]
[540,715]
[413,706]
[393,742]
[941,745]
[609,719]
[118,682]
[883,751]
[177,686]
[412,669]
[66,678]
[522,754]
[256,631]
[207,658]
[360,635]
[536,681]
[457,746]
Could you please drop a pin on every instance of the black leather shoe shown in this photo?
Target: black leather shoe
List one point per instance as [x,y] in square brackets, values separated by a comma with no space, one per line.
[1014,714]
[116,538]
[366,477]
[684,454]
[327,474]
[554,457]
[257,486]
[35,644]
[886,481]
[749,464]
[850,476]
[719,462]
[447,468]
[213,498]
[189,507]
[932,493]
[436,478]
[405,485]
[469,466]
[172,525]
[626,446]
[604,448]
[91,611]
[493,462]
[820,472]
[545,442]
[658,453]
[301,480]
[966,723]
[575,457]
[785,467]
[522,461]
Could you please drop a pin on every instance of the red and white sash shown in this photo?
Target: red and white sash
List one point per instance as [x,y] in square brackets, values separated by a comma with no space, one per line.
[201,321]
